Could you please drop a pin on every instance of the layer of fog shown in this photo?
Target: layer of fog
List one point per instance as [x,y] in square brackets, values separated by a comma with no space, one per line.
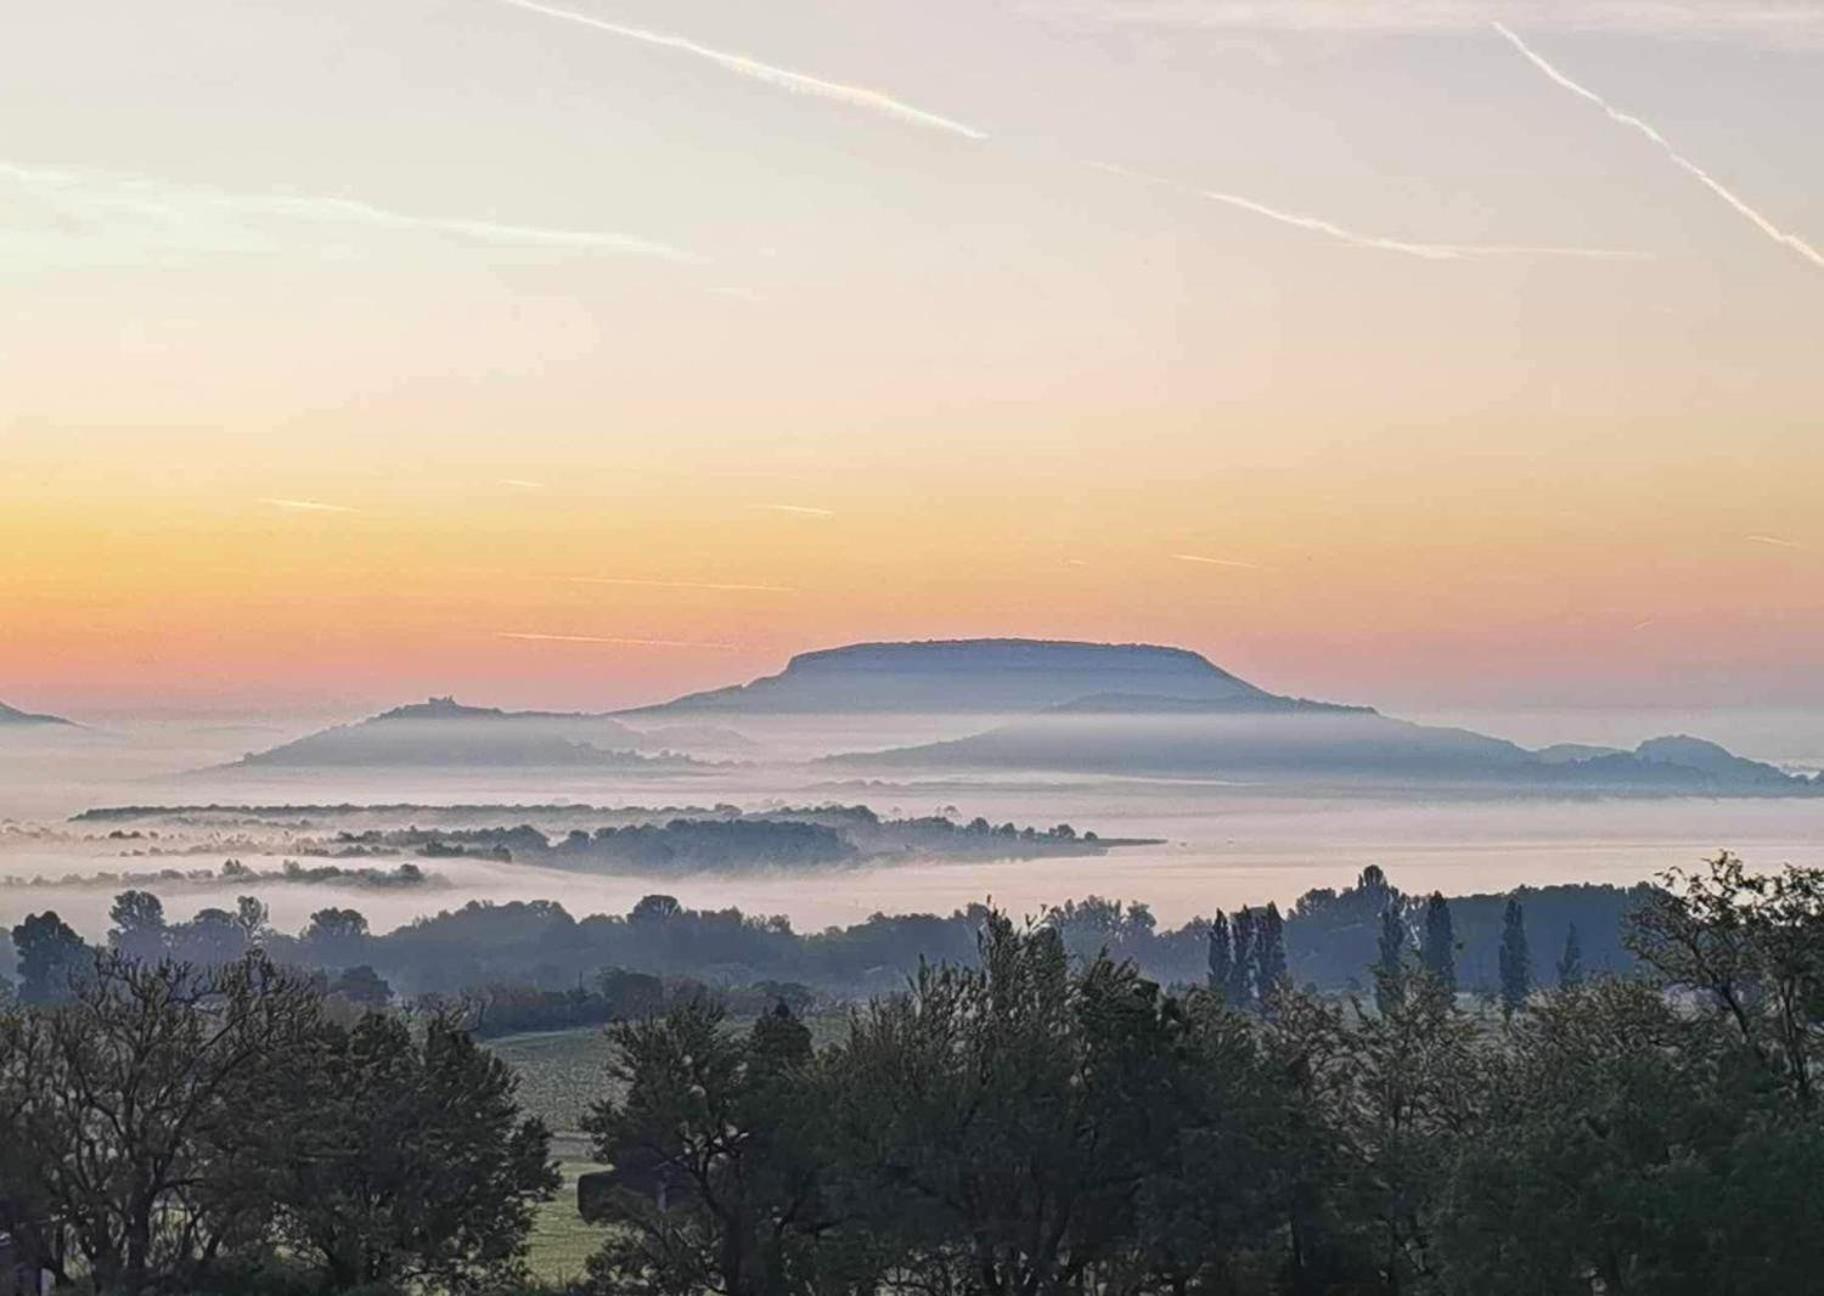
[1226,845]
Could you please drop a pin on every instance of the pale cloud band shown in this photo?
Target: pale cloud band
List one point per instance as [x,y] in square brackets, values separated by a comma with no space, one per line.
[181,216]
[643,583]
[796,510]
[797,82]
[1208,561]
[611,640]
[307,506]
[1773,23]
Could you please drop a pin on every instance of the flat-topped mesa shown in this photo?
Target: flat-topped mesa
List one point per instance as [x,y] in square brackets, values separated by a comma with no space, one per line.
[968,675]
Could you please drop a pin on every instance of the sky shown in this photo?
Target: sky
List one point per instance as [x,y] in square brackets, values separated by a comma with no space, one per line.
[1428,353]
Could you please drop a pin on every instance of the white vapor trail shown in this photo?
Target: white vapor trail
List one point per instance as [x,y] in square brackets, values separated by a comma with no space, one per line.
[484,231]
[308,506]
[1775,541]
[1715,186]
[606,639]
[681,584]
[1428,251]
[1217,562]
[170,211]
[1354,238]
[798,82]
[798,510]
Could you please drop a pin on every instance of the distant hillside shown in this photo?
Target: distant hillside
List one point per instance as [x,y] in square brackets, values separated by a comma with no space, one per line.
[1277,737]
[995,676]
[442,732]
[14,716]
[1261,737]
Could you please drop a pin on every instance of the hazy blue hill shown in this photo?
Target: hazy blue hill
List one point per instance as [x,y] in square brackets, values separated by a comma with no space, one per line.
[14,716]
[1569,753]
[1257,703]
[1711,758]
[444,732]
[1276,737]
[1259,736]
[965,675]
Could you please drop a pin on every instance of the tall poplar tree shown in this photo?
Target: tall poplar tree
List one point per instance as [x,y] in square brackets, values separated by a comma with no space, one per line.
[1243,932]
[1439,953]
[1270,953]
[1222,954]
[1570,963]
[1516,960]
[1390,967]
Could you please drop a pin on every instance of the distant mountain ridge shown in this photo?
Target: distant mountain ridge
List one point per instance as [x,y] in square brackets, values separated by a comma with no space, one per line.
[1322,744]
[14,716]
[1143,709]
[959,676]
[1136,710]
[442,732]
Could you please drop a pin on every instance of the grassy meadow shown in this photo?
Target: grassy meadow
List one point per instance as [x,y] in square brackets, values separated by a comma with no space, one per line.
[561,1073]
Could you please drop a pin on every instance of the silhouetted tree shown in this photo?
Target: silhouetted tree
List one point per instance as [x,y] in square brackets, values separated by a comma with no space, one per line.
[1516,960]
[146,1102]
[363,987]
[1244,929]
[1221,955]
[996,1127]
[1270,954]
[655,908]
[1753,946]
[139,926]
[416,1167]
[1439,952]
[1390,964]
[52,958]
[251,916]
[335,937]
[715,1183]
[1570,963]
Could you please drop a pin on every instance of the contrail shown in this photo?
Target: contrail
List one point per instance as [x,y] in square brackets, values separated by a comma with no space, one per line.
[676,584]
[798,82]
[800,510]
[1428,251]
[601,639]
[485,231]
[1760,222]
[308,506]
[161,203]
[1776,541]
[1217,562]
[1355,238]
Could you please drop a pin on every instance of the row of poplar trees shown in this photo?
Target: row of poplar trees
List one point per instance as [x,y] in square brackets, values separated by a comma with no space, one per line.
[1247,953]
[1038,1125]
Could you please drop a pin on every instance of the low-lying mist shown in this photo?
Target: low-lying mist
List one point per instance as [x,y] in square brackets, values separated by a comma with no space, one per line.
[1222,842]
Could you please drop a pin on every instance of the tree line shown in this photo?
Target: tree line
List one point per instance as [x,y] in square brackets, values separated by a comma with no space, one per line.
[1030,1125]
[1028,1122]
[1331,939]
[166,1128]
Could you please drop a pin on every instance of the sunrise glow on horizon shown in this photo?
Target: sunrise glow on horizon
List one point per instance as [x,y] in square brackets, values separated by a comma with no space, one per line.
[472,348]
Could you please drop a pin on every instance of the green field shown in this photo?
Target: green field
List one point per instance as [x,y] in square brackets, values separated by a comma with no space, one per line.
[560,1074]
